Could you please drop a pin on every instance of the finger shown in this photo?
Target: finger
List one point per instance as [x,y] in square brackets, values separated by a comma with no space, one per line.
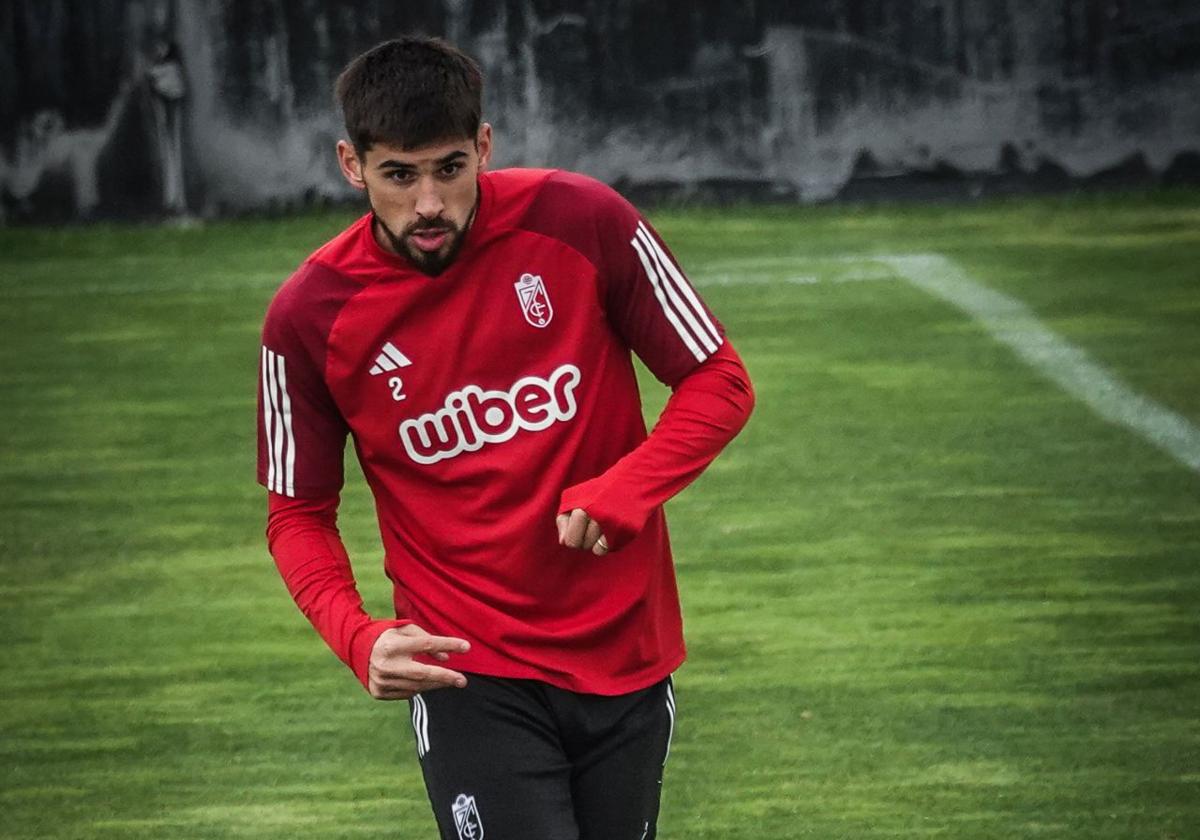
[576,528]
[402,690]
[407,674]
[397,689]
[380,692]
[431,645]
[560,522]
[601,547]
[591,534]
[433,676]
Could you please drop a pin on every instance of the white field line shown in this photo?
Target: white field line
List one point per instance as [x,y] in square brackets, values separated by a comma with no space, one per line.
[765,271]
[1013,324]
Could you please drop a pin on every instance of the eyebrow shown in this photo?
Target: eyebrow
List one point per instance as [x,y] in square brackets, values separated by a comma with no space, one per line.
[440,162]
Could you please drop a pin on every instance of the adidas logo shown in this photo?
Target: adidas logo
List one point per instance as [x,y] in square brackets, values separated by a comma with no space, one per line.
[389,359]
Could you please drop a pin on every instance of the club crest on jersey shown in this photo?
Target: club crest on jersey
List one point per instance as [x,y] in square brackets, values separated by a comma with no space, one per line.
[471,417]
[535,302]
[466,818]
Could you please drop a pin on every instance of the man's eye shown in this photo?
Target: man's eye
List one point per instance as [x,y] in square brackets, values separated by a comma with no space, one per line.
[400,176]
[451,169]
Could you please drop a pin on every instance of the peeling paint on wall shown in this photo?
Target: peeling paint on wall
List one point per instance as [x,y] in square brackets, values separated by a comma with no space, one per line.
[750,98]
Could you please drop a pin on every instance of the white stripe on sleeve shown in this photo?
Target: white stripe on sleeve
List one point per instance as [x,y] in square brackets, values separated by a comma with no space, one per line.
[289,473]
[662,301]
[681,294]
[277,452]
[277,425]
[268,401]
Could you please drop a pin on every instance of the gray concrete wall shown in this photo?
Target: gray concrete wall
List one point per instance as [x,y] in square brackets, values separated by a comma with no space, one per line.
[708,98]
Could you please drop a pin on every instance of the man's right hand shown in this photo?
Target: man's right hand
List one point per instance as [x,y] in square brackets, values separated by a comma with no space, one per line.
[393,674]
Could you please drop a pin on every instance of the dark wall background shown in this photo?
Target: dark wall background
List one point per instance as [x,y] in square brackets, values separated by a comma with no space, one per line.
[709,98]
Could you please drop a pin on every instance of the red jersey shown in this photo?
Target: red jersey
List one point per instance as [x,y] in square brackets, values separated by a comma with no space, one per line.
[483,401]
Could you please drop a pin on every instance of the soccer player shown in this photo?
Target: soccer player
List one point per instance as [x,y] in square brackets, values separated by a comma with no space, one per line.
[473,334]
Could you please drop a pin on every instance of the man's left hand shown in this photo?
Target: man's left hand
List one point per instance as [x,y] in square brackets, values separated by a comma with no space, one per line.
[578,530]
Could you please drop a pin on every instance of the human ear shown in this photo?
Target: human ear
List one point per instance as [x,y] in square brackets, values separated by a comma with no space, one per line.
[483,144]
[351,165]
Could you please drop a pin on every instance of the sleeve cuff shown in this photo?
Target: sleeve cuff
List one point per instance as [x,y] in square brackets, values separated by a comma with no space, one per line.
[364,642]
[619,526]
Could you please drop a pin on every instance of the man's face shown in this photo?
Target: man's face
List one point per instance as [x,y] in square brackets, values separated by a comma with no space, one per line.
[424,199]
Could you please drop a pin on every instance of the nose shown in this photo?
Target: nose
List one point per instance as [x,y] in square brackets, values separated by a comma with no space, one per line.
[429,200]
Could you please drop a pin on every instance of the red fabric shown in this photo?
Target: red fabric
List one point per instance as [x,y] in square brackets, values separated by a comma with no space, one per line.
[303,538]
[471,417]
[707,408]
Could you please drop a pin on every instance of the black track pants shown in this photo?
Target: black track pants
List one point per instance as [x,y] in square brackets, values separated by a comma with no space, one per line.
[511,759]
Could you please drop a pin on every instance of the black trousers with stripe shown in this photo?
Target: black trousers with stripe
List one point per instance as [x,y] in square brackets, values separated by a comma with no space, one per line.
[508,759]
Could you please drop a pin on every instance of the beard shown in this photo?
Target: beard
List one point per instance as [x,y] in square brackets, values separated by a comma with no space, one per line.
[432,263]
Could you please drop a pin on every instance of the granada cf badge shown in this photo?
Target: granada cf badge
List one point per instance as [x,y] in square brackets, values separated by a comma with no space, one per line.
[535,303]
[466,818]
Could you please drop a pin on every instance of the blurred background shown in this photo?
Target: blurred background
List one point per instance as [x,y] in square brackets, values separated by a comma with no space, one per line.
[135,108]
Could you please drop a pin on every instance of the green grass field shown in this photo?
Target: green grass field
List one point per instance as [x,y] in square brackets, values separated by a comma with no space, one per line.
[928,592]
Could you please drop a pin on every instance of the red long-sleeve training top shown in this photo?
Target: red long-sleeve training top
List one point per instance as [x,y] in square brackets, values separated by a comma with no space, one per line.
[481,403]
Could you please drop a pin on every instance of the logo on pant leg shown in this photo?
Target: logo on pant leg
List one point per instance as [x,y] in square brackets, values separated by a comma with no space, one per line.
[466,818]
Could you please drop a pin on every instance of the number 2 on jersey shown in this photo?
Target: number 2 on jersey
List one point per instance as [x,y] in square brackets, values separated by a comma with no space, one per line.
[397,386]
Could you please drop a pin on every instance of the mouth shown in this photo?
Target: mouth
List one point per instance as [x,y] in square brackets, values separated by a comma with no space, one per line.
[429,239]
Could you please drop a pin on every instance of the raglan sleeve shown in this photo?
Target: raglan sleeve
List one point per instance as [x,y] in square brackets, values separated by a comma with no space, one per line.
[301,444]
[301,433]
[648,299]
[657,312]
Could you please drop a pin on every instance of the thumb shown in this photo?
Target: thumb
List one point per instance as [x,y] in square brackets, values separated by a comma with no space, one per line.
[561,521]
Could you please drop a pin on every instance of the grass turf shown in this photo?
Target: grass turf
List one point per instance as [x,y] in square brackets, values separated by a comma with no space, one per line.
[927,593]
